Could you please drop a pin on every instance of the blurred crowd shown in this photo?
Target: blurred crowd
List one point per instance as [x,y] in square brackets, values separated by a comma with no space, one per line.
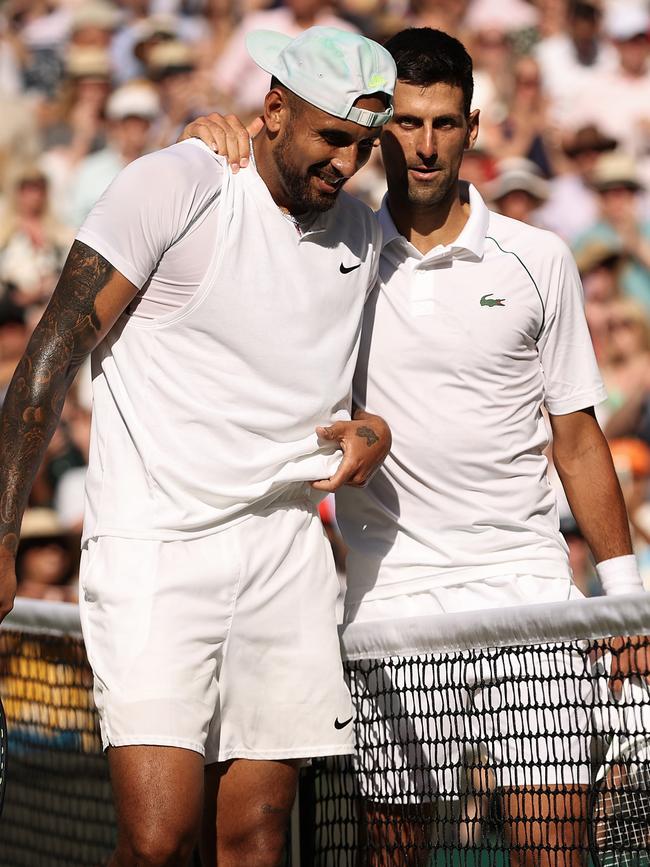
[87,86]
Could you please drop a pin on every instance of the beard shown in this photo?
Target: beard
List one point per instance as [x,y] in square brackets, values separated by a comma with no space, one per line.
[302,195]
[429,193]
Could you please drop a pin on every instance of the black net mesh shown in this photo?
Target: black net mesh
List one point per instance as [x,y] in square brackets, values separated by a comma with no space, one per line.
[532,755]
[58,809]
[529,754]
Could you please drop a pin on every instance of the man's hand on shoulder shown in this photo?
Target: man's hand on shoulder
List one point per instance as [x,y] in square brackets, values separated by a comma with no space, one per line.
[365,442]
[225,135]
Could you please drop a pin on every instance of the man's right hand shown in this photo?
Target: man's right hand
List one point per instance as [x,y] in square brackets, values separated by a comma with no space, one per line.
[225,135]
[7,582]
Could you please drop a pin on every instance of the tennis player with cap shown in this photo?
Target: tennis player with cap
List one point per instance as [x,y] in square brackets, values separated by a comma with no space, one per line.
[224,314]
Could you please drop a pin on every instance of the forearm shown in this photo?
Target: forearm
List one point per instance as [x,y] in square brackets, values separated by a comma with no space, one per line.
[584,464]
[30,414]
[72,324]
[594,494]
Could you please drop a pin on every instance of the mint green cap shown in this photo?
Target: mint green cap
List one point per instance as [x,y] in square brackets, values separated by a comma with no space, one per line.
[328,68]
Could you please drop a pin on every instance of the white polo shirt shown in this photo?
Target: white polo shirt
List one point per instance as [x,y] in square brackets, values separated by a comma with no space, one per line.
[461,349]
[244,338]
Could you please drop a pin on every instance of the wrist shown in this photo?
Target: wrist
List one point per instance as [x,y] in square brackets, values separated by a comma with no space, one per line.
[620,575]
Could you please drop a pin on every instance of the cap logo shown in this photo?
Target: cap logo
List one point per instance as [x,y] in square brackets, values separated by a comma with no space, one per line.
[376,81]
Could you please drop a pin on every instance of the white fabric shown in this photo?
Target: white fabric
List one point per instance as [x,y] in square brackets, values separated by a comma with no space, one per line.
[204,411]
[464,493]
[620,575]
[225,645]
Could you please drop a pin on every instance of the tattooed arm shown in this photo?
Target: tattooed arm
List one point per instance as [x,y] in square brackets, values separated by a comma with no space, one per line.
[89,297]
[365,442]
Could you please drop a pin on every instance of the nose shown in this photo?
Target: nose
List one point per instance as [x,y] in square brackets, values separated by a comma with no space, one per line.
[347,161]
[426,144]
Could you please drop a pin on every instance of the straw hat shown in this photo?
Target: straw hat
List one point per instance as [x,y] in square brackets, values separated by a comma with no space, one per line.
[615,169]
[41,523]
[87,62]
[97,13]
[595,253]
[169,57]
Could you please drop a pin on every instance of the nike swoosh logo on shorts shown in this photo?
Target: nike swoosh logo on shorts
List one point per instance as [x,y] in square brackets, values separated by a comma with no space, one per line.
[345,270]
[341,725]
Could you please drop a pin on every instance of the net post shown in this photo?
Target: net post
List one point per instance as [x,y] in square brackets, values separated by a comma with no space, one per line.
[295,828]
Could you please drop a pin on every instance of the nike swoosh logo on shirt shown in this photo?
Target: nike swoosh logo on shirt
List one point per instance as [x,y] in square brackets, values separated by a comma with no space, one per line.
[345,270]
[341,725]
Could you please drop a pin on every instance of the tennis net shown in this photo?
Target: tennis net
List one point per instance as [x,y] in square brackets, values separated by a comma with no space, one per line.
[513,736]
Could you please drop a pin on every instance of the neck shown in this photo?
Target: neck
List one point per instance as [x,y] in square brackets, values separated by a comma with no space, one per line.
[267,169]
[427,226]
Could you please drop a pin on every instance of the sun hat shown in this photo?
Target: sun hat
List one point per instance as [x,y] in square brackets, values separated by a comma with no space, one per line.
[520,175]
[615,169]
[134,99]
[328,68]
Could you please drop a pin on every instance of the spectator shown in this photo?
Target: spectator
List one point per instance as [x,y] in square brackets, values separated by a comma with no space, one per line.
[569,59]
[600,264]
[618,101]
[33,243]
[616,181]
[518,189]
[572,206]
[524,129]
[78,116]
[626,372]
[44,564]
[130,112]
[172,66]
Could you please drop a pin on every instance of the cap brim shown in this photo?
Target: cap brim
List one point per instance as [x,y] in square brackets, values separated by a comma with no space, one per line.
[264,46]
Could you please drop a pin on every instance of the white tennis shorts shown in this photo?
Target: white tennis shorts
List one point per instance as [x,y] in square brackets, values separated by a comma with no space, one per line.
[224,644]
[439,726]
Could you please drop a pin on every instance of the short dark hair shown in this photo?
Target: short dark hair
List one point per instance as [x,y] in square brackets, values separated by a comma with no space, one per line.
[425,56]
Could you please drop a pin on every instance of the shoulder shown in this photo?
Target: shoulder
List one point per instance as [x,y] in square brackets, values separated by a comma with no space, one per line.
[536,248]
[188,162]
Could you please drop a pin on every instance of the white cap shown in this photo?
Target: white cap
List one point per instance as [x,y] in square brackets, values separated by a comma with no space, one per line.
[328,68]
[624,22]
[133,100]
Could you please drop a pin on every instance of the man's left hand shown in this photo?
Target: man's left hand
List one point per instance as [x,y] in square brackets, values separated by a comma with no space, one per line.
[365,442]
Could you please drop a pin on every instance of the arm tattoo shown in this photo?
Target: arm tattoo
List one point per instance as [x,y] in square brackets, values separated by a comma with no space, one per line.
[69,329]
[369,435]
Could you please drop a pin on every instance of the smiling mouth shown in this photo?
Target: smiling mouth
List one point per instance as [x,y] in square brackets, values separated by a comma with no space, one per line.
[328,184]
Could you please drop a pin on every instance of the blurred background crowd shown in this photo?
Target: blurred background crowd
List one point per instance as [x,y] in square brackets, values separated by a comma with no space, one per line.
[87,86]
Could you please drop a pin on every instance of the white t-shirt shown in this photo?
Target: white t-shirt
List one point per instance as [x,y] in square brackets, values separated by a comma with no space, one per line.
[461,349]
[244,338]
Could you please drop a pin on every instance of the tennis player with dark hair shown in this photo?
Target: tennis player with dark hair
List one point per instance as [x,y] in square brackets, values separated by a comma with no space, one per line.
[475,325]
[223,312]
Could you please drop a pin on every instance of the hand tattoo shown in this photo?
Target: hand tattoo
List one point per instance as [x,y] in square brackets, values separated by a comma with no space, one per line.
[62,339]
[369,435]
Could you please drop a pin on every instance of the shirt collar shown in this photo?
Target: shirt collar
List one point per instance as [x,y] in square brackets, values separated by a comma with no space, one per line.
[471,239]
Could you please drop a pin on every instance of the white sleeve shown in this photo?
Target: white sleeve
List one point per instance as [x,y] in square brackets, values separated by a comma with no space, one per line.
[571,375]
[150,205]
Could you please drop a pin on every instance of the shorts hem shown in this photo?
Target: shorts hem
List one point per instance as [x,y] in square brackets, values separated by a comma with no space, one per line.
[153,741]
[295,753]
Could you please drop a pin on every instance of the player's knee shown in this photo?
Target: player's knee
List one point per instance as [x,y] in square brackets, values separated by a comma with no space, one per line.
[259,846]
[155,846]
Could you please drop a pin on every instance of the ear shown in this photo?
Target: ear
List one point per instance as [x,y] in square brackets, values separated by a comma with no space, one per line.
[276,107]
[472,129]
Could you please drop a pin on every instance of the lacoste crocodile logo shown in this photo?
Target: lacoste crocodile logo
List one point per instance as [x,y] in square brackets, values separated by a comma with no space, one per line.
[487,301]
